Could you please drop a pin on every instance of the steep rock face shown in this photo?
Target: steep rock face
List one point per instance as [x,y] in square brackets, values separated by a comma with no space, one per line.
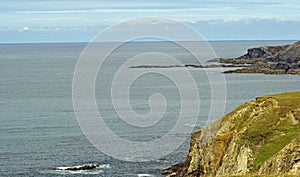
[254,55]
[286,161]
[251,139]
[290,54]
[263,52]
[268,60]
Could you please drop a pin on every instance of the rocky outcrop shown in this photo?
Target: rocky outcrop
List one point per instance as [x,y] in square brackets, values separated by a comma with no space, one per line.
[286,161]
[263,52]
[259,137]
[264,71]
[186,66]
[80,167]
[269,60]
[253,55]
[290,55]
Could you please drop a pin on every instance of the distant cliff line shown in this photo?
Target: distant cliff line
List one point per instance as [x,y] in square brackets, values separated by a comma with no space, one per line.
[268,60]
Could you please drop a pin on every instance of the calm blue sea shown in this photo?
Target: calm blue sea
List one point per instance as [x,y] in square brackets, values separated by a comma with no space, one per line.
[38,128]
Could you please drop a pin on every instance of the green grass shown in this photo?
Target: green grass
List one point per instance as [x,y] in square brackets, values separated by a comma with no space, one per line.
[293,95]
[269,132]
[279,136]
[276,142]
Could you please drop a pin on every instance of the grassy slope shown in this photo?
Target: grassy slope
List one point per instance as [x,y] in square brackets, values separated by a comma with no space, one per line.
[278,136]
[269,129]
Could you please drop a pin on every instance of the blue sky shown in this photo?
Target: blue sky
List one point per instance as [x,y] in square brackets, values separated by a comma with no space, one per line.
[81,20]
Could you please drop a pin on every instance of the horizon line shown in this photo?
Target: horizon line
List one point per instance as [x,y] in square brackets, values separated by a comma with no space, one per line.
[149,41]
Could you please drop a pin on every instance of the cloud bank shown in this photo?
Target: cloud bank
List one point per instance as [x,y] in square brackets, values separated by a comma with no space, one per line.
[216,19]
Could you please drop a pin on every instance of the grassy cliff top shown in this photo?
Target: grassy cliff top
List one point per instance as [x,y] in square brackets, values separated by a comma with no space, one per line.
[288,95]
[271,122]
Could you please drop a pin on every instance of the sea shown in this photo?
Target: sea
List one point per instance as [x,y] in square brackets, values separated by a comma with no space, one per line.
[39,131]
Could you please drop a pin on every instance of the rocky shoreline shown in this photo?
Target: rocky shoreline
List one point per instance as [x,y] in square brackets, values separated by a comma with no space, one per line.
[189,66]
[267,60]
[250,70]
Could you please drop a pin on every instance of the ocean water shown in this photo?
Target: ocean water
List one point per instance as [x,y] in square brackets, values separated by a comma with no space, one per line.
[38,127]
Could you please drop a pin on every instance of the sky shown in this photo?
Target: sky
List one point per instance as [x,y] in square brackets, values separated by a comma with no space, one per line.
[81,20]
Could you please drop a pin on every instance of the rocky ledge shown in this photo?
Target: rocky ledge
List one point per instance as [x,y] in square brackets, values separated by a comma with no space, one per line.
[188,66]
[268,60]
[80,167]
[259,137]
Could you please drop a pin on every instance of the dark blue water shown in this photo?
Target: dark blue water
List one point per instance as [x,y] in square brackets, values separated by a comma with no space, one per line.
[38,128]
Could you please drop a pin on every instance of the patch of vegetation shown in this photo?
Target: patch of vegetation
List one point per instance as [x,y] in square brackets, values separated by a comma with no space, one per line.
[282,131]
[283,134]
[269,129]
[291,95]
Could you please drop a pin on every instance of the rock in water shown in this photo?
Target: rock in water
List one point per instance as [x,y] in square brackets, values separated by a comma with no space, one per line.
[80,167]
[258,137]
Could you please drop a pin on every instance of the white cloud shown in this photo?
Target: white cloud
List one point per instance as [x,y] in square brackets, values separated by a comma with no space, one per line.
[123,10]
[25,28]
[52,13]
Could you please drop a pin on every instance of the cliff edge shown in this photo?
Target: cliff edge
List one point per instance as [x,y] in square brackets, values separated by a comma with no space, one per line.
[259,137]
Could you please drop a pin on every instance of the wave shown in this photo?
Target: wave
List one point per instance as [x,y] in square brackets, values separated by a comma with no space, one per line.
[87,169]
[145,175]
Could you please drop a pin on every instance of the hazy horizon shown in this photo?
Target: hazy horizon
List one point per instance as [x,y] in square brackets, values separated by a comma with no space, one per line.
[86,42]
[46,21]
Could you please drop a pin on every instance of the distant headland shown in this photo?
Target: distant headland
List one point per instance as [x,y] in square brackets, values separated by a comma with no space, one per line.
[267,59]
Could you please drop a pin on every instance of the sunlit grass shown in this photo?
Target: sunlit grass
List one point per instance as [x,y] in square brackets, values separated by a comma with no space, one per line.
[269,130]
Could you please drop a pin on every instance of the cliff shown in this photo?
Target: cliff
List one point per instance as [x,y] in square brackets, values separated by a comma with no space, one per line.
[264,52]
[268,60]
[291,54]
[259,137]
[254,55]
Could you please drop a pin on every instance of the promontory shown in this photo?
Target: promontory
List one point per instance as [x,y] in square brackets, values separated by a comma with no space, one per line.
[268,60]
[260,137]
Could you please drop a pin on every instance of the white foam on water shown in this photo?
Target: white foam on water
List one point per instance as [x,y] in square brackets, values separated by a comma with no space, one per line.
[191,125]
[64,170]
[86,172]
[68,172]
[145,175]
[97,171]
[104,166]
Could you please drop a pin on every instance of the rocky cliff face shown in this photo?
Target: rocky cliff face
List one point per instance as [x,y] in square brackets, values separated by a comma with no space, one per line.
[269,60]
[285,161]
[254,55]
[291,54]
[259,137]
[263,52]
